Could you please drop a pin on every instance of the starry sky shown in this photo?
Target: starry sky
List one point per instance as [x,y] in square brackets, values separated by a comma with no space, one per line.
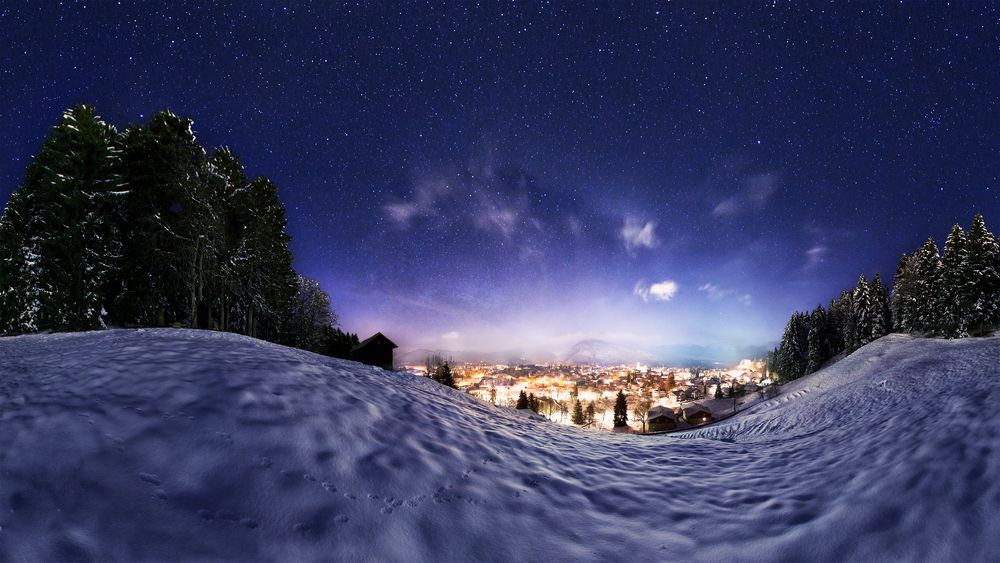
[502,176]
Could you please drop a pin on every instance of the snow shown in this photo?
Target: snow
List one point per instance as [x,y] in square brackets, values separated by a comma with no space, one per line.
[177,445]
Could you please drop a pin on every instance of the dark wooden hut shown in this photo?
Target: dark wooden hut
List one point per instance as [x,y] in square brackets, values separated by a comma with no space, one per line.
[374,351]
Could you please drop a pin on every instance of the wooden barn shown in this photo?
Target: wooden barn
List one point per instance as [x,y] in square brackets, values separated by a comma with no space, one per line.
[374,351]
[661,418]
[696,413]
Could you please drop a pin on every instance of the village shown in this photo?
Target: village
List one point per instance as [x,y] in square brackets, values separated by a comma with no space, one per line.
[660,399]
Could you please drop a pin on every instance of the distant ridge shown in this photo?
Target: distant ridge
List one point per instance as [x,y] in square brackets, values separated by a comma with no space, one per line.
[595,351]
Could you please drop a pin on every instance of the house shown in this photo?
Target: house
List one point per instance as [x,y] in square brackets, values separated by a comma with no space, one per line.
[697,413]
[661,418]
[374,351]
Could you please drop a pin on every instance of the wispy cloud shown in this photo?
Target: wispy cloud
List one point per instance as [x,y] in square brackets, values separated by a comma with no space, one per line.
[483,196]
[816,256]
[716,293]
[756,193]
[660,291]
[638,234]
[453,335]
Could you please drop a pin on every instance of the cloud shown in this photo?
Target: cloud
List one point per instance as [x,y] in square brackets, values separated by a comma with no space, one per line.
[638,234]
[453,335]
[755,194]
[661,291]
[498,219]
[716,293]
[402,213]
[816,256]
[496,200]
[727,208]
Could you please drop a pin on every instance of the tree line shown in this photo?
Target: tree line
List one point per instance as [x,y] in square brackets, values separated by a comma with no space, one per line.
[143,227]
[954,295]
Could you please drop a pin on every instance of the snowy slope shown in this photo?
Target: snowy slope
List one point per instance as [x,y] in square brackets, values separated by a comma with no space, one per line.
[182,445]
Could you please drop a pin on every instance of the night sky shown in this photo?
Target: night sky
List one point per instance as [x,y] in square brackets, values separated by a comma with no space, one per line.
[488,177]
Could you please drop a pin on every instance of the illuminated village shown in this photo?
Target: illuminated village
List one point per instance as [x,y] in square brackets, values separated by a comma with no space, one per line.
[660,399]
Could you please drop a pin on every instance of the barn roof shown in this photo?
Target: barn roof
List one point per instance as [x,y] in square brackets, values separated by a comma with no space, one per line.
[660,410]
[373,338]
[695,408]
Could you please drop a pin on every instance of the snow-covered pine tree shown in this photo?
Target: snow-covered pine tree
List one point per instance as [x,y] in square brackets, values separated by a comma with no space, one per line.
[882,320]
[794,348]
[227,284]
[864,310]
[65,216]
[926,288]
[903,300]
[984,272]
[168,207]
[850,321]
[817,340]
[955,291]
[266,260]
[19,300]
[835,326]
[578,417]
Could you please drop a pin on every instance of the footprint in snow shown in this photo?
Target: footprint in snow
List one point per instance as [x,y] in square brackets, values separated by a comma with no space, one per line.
[249,523]
[150,478]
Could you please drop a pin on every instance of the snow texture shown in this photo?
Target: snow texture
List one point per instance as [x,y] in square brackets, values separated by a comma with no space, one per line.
[177,445]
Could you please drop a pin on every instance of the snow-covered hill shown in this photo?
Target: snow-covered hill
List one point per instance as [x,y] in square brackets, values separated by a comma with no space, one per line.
[174,445]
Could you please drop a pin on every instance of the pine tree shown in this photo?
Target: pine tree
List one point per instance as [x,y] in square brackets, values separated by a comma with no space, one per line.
[590,415]
[309,316]
[864,312]
[718,391]
[852,337]
[445,377]
[621,410]
[168,208]
[926,314]
[522,401]
[579,418]
[956,292]
[882,318]
[793,351]
[817,346]
[903,301]
[984,278]
[59,237]
[835,327]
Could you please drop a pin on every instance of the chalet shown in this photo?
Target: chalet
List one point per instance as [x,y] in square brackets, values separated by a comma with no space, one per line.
[661,418]
[374,351]
[696,413]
